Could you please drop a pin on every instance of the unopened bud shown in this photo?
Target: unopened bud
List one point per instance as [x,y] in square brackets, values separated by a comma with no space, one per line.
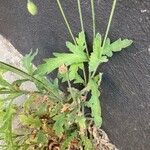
[63,69]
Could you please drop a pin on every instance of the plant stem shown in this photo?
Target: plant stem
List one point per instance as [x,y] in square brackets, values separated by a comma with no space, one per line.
[107,31]
[80,14]
[81,22]
[69,85]
[84,74]
[82,28]
[66,21]
[23,74]
[94,26]
[109,22]
[93,18]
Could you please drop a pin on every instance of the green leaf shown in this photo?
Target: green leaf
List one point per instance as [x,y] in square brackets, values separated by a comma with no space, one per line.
[55,109]
[32,8]
[60,121]
[75,48]
[106,50]
[81,120]
[62,58]
[95,58]
[30,120]
[41,109]
[41,138]
[97,44]
[77,56]
[81,39]
[71,117]
[115,46]
[94,103]
[6,122]
[87,143]
[28,103]
[27,61]
[73,73]
[68,140]
[94,62]
[98,78]
[80,47]
[100,54]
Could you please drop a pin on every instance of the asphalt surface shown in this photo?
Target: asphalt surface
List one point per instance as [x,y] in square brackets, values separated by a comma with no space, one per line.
[126,81]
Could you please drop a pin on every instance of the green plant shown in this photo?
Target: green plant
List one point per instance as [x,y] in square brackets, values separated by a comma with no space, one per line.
[49,116]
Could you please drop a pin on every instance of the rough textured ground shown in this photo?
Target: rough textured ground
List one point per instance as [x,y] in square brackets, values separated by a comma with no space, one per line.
[10,55]
[126,81]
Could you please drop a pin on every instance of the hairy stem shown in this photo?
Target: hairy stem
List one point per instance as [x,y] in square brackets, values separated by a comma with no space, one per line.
[81,22]
[93,18]
[107,30]
[84,74]
[80,14]
[70,88]
[109,22]
[82,28]
[94,26]
[66,21]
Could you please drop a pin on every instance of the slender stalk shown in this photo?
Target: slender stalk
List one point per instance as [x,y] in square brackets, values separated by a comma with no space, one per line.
[80,14]
[109,22]
[23,74]
[82,28]
[66,21]
[69,85]
[94,26]
[84,74]
[107,30]
[93,18]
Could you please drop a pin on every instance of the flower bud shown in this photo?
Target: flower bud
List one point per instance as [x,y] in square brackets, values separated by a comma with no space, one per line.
[63,69]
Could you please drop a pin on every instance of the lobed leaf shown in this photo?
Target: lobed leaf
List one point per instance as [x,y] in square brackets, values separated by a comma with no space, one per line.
[41,138]
[95,55]
[77,56]
[28,102]
[94,103]
[63,58]
[60,121]
[116,46]
[30,120]
[97,44]
[87,143]
[81,120]
[27,62]
[81,39]
[68,140]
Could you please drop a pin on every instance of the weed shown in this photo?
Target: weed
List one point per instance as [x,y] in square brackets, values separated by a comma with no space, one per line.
[51,117]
